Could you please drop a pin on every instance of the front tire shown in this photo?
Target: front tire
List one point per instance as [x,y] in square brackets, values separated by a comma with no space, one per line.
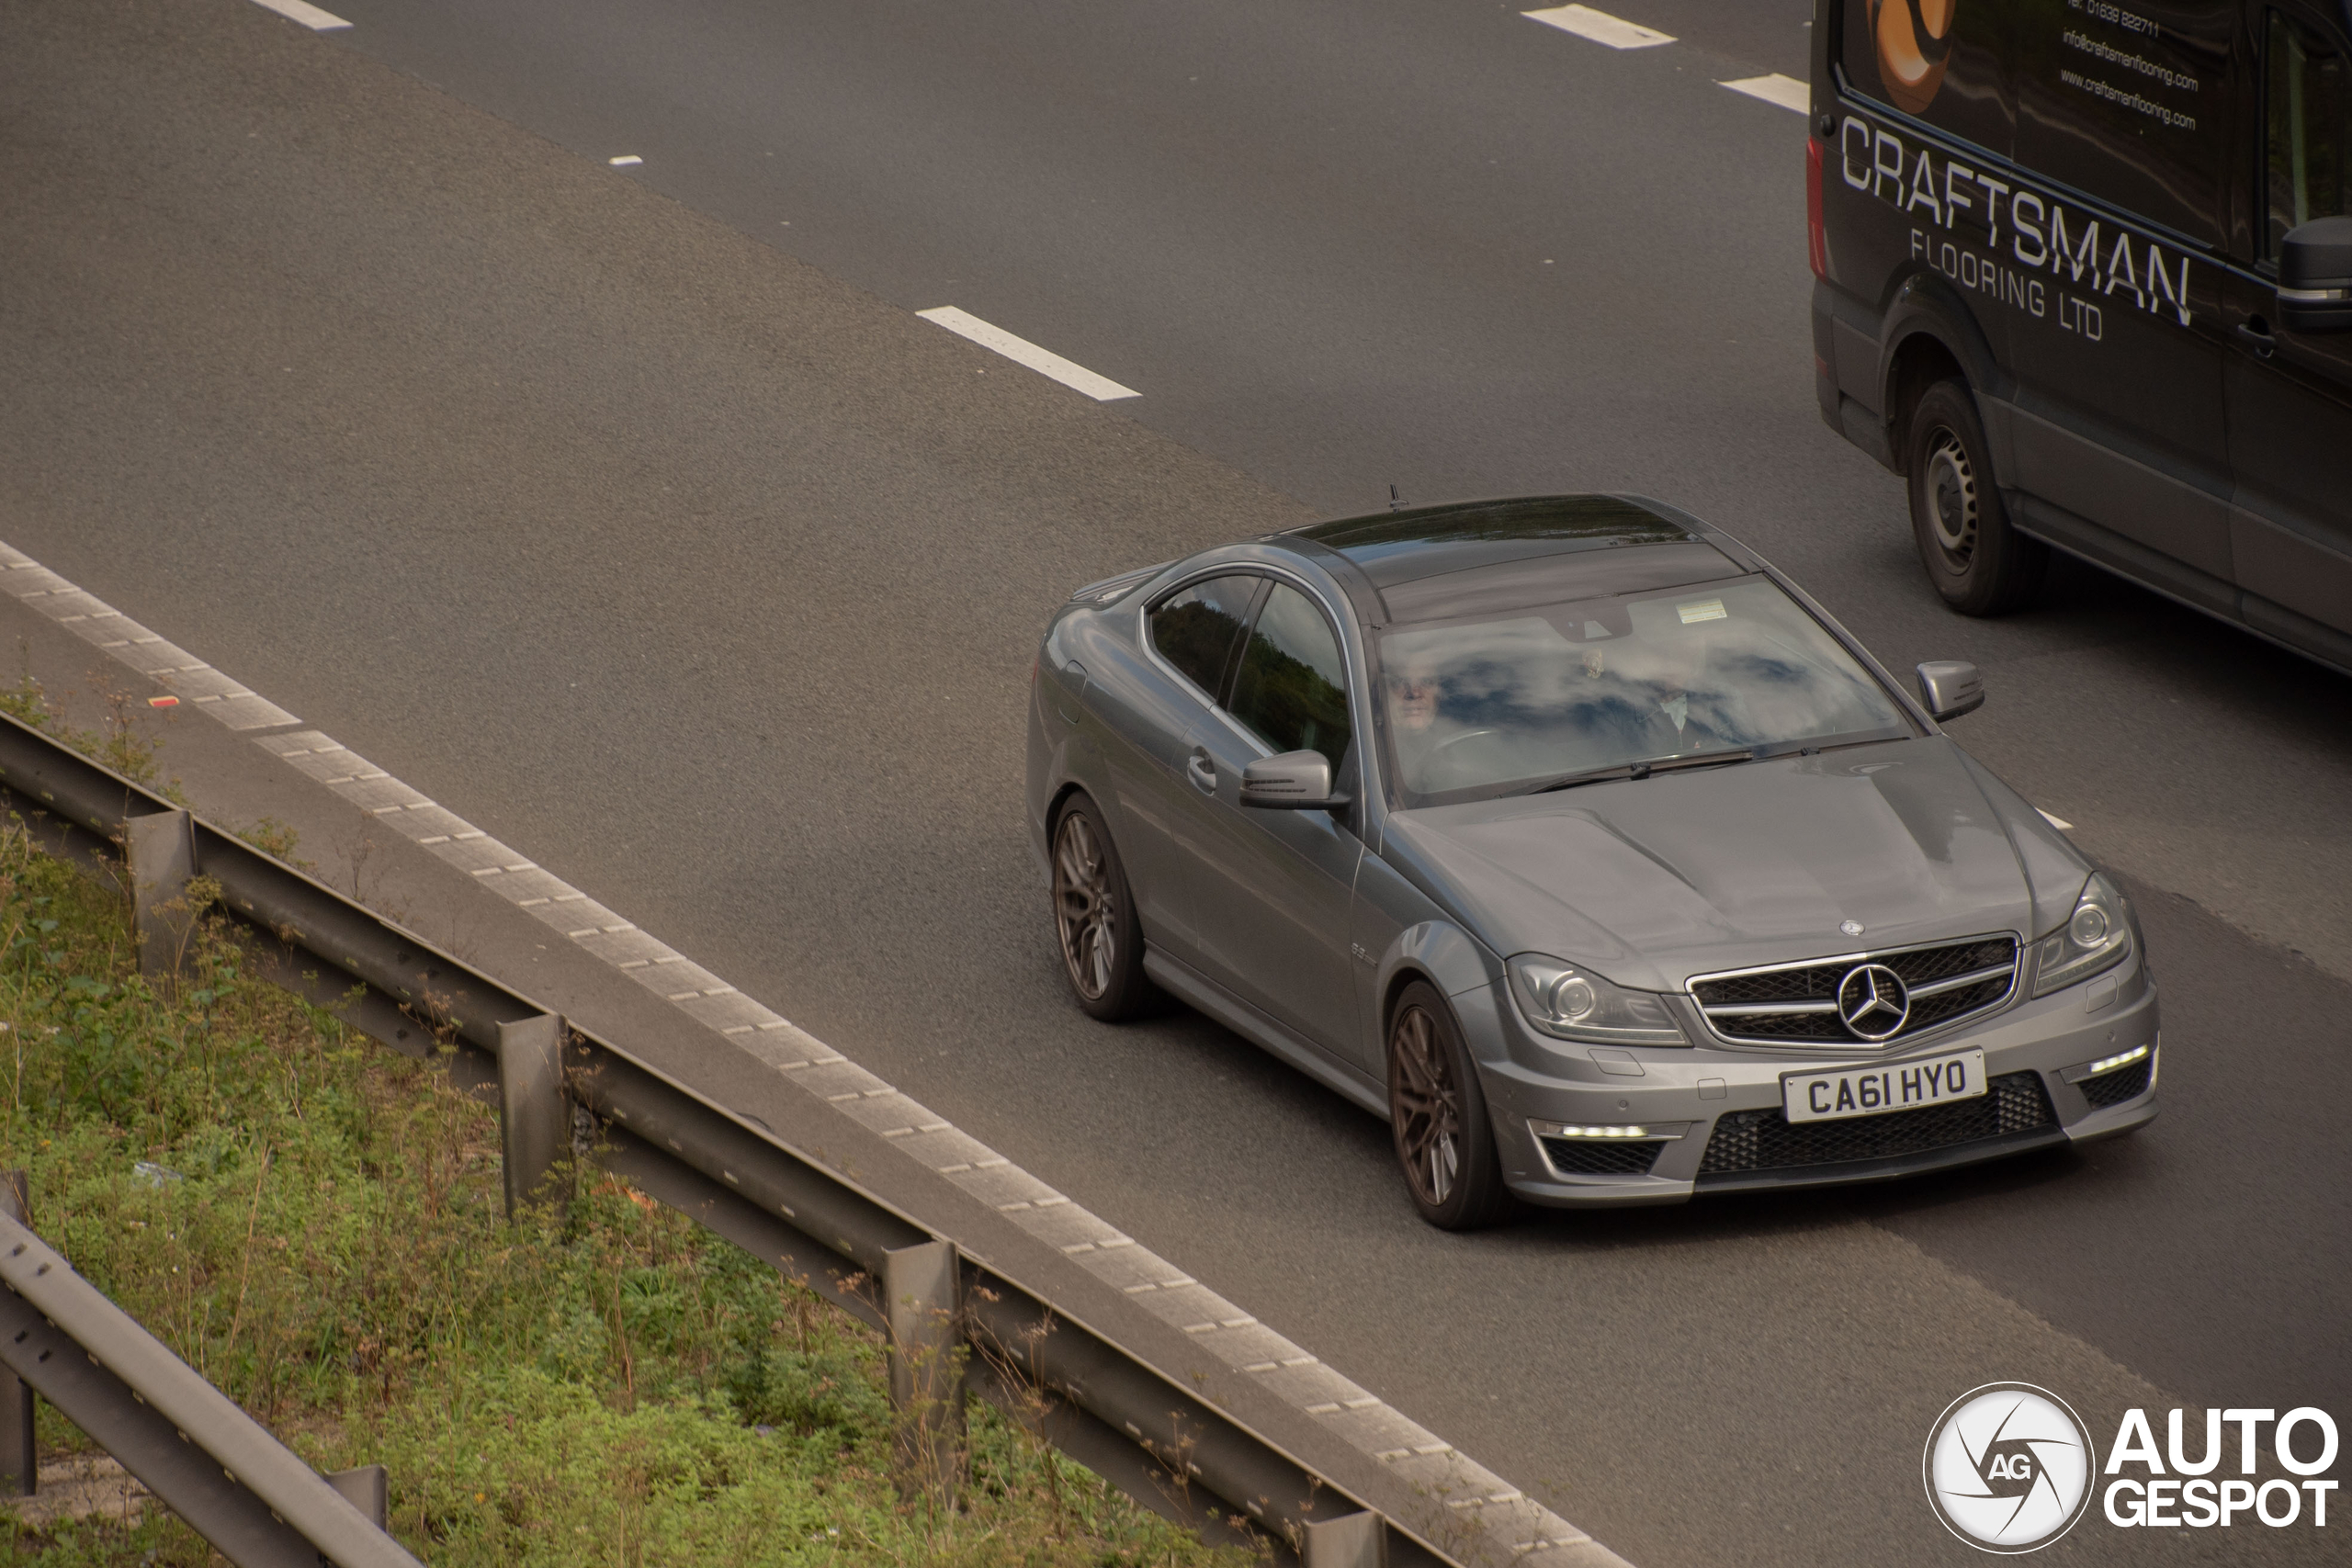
[1979,563]
[1094,916]
[1436,1114]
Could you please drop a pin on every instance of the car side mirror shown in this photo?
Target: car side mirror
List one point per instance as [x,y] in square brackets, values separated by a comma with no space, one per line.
[2315,277]
[1950,687]
[1294,781]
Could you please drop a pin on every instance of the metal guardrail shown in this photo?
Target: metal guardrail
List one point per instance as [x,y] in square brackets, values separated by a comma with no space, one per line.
[187,1442]
[1163,1444]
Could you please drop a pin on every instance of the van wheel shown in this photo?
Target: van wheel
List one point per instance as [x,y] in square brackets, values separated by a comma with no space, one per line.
[1980,564]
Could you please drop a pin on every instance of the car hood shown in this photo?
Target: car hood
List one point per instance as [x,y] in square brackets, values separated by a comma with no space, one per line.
[1653,880]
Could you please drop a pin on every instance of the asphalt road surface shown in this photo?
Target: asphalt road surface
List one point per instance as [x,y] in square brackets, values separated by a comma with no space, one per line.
[696,567]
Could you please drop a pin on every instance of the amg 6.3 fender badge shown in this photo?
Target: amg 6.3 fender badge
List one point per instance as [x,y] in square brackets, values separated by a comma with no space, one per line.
[2009,1466]
[1914,40]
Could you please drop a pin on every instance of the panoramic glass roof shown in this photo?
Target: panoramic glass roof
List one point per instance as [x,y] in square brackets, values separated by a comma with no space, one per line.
[1399,546]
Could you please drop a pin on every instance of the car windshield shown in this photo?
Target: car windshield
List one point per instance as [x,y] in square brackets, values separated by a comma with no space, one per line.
[1517,699]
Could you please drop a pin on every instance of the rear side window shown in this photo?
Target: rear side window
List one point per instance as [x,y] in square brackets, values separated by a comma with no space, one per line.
[1197,628]
[1292,692]
[1942,61]
[2307,122]
[2130,102]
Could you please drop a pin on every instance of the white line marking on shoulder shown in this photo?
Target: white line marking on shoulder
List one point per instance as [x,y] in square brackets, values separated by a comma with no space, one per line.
[1021,351]
[2058,822]
[1600,27]
[1785,91]
[625,160]
[309,15]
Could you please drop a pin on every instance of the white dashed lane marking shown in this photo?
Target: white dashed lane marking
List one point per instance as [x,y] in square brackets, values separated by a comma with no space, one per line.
[1786,91]
[625,161]
[1600,27]
[1021,351]
[309,15]
[1775,88]
[2060,823]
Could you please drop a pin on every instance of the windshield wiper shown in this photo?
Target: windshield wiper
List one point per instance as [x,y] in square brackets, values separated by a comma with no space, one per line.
[1654,765]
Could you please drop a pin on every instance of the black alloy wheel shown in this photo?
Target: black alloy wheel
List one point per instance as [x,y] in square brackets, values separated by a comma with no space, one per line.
[1438,1114]
[1094,916]
[1978,562]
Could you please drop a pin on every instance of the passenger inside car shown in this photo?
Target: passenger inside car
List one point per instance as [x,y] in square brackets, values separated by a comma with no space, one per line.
[1549,690]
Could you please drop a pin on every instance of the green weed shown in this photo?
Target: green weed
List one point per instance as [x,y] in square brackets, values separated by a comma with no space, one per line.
[315,1224]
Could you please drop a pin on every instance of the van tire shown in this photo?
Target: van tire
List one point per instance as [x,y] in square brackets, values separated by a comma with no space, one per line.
[1978,562]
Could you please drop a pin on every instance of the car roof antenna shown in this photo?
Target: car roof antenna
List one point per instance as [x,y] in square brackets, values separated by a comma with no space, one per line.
[1395,503]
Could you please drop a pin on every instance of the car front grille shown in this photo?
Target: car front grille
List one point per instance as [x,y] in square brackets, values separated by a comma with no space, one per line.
[2114,1088]
[1598,1156]
[1766,1140]
[1797,1003]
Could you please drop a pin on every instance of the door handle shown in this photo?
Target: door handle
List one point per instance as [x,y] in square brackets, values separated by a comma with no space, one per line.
[1201,767]
[2255,333]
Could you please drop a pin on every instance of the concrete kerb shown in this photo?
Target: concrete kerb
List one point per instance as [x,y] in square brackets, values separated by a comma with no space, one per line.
[743,1056]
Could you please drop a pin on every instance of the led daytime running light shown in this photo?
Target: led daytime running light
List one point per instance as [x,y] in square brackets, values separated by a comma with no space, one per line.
[2109,1063]
[1620,1132]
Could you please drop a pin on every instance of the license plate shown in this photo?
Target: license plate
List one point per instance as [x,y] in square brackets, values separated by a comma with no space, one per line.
[1873,1091]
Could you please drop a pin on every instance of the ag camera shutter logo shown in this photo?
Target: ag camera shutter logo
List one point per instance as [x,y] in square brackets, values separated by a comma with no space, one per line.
[2009,1466]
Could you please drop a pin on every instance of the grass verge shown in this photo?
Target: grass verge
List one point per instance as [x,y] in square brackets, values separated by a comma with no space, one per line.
[315,1224]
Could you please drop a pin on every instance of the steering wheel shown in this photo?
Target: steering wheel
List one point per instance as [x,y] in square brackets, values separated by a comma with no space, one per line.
[1451,742]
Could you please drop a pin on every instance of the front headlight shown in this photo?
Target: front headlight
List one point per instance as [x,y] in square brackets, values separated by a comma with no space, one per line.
[2095,937]
[1569,1001]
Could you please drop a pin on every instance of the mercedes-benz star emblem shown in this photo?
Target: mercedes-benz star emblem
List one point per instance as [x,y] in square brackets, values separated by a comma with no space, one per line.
[1873,1000]
[1851,927]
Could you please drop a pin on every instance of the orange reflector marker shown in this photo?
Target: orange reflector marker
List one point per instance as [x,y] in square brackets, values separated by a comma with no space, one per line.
[163,702]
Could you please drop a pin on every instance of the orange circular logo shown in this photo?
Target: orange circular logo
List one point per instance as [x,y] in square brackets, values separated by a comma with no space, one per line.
[1913,46]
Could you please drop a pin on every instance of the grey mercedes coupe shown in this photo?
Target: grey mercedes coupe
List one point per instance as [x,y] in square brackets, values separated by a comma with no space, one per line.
[1576,842]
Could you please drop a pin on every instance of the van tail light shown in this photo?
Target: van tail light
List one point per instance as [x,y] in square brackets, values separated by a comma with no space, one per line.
[1817,242]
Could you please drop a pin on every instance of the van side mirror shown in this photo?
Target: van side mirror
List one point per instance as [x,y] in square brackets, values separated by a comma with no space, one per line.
[2315,277]
[1294,781]
[1950,687]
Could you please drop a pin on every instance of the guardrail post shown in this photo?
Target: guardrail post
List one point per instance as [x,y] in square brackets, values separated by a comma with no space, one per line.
[535,1113]
[19,1458]
[1351,1540]
[161,849]
[369,1489]
[922,1287]
[210,1463]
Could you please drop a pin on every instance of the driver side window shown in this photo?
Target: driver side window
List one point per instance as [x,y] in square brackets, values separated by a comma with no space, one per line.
[2307,130]
[1291,691]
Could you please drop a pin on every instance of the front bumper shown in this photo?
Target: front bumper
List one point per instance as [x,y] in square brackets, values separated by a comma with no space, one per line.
[1712,1112]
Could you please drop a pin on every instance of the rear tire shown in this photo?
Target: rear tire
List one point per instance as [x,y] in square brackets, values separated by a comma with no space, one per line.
[1978,562]
[1437,1114]
[1095,923]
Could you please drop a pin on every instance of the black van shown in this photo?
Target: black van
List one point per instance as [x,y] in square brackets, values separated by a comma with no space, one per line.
[2083,278]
